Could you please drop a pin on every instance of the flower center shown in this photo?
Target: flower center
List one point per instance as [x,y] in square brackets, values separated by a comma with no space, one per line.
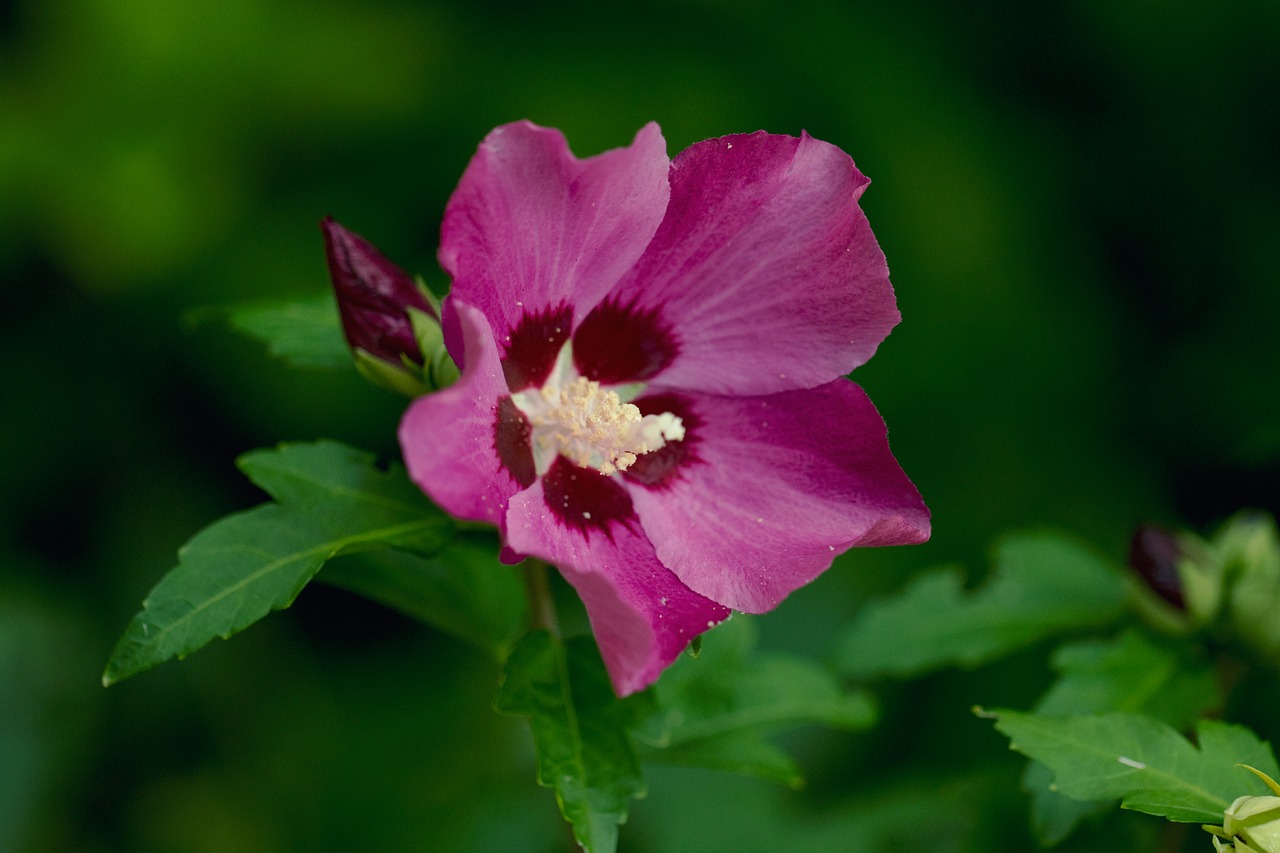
[588,424]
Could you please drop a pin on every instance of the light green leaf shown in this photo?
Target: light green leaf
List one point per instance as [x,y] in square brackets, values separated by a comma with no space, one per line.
[1042,584]
[1129,673]
[1141,761]
[464,590]
[330,499]
[301,332]
[714,710]
[579,730]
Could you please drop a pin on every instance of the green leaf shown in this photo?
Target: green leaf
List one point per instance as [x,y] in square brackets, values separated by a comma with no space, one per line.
[1143,762]
[1042,584]
[330,499]
[464,590]
[1129,673]
[714,710]
[579,730]
[301,332]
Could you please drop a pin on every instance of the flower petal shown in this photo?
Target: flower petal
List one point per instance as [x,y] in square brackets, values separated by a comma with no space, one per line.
[774,488]
[532,229]
[462,445]
[764,270]
[641,614]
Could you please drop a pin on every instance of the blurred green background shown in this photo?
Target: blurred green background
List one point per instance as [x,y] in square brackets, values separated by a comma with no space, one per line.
[1079,203]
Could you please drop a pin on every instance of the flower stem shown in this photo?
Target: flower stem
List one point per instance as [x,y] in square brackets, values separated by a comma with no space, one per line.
[542,609]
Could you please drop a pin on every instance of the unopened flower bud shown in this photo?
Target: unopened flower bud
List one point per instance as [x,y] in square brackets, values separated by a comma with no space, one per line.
[385,314]
[1182,572]
[1249,548]
[1250,824]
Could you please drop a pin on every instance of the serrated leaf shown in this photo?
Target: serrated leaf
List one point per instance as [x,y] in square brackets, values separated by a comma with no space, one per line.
[330,499]
[301,332]
[714,710]
[579,730]
[1042,584]
[1129,673]
[464,590]
[1142,762]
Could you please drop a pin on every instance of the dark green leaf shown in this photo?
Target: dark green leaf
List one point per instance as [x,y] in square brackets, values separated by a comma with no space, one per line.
[303,332]
[1042,584]
[330,499]
[713,710]
[745,753]
[464,590]
[1143,762]
[579,729]
[1130,673]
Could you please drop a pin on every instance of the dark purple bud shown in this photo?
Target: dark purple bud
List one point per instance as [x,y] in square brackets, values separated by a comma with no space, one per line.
[374,296]
[1154,553]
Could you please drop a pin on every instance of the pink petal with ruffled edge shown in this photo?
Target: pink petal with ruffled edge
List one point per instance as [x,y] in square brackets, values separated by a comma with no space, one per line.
[531,227]
[772,488]
[449,441]
[764,275]
[641,614]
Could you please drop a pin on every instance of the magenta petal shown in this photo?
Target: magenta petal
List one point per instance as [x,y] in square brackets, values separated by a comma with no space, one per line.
[641,614]
[450,439]
[531,227]
[764,268]
[780,485]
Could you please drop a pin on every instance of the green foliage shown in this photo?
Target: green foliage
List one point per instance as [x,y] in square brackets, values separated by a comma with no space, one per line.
[329,500]
[464,590]
[714,710]
[1142,761]
[579,730]
[1130,673]
[1042,584]
[301,332]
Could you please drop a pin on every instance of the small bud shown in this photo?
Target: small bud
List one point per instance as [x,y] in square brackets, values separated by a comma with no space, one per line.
[1249,548]
[378,303]
[1154,555]
[1182,572]
[1250,824]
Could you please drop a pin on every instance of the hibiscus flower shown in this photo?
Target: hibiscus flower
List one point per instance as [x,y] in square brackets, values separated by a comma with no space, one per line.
[653,395]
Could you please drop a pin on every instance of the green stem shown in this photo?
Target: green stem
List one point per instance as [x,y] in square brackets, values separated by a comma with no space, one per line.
[542,609]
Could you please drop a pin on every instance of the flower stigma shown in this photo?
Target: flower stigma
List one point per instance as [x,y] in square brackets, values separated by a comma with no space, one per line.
[590,425]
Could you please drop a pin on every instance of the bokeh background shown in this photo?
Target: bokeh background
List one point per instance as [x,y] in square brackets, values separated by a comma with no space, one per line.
[1080,203]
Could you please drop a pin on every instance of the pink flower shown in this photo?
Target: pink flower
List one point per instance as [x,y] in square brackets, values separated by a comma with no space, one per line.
[653,393]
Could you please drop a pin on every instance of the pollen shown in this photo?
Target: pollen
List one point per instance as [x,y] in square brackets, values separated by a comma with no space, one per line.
[589,424]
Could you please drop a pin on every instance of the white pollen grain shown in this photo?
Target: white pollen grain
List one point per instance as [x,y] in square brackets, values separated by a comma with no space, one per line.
[1129,762]
[728,145]
[831,547]
[759,521]
[586,515]
[664,601]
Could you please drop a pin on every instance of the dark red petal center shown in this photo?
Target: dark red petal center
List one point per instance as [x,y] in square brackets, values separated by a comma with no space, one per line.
[585,500]
[619,343]
[533,345]
[511,438]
